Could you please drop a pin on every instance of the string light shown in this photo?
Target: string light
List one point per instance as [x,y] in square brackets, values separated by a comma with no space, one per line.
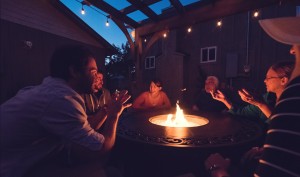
[84,2]
[145,40]
[189,30]
[107,22]
[165,35]
[82,10]
[219,23]
[132,33]
[256,13]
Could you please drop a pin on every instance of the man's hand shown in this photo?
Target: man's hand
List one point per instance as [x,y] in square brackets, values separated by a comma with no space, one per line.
[117,105]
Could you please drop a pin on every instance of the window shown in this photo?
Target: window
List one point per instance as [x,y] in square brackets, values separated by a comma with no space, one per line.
[150,62]
[208,54]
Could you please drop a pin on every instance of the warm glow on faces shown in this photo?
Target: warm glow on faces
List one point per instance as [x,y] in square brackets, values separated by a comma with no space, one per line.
[98,83]
[153,88]
[272,81]
[90,76]
[210,84]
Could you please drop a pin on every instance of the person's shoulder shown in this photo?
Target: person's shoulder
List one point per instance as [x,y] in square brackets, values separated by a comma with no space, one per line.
[105,90]
[143,94]
[162,92]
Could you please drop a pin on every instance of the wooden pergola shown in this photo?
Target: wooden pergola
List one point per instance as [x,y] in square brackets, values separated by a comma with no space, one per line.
[174,17]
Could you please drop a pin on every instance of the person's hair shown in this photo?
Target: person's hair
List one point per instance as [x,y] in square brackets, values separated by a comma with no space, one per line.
[157,82]
[63,58]
[284,68]
[214,78]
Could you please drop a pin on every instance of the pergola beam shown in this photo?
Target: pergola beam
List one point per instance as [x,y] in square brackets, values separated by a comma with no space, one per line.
[145,9]
[219,8]
[114,13]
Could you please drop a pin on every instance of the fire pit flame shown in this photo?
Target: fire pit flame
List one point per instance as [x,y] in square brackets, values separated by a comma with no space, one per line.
[180,120]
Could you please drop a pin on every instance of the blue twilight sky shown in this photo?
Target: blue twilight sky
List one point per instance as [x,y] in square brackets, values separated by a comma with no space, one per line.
[96,18]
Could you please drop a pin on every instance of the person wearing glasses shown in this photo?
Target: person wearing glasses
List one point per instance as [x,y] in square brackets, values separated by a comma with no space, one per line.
[276,80]
[280,153]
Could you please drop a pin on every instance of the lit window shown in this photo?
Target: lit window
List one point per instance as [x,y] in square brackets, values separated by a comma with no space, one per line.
[208,54]
[150,62]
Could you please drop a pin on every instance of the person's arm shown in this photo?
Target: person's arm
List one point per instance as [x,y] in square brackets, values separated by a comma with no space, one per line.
[218,95]
[139,101]
[247,97]
[114,110]
[97,120]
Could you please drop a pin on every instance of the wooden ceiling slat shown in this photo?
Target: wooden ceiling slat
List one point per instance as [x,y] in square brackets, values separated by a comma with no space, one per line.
[178,6]
[132,8]
[145,9]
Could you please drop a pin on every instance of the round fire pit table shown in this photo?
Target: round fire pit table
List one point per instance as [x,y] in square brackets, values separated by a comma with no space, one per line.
[147,149]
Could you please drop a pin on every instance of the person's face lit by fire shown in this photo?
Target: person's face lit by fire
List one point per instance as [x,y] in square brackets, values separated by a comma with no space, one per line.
[273,81]
[98,82]
[87,79]
[211,84]
[154,88]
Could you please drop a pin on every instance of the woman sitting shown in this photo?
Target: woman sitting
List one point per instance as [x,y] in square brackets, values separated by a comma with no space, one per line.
[155,98]
[276,80]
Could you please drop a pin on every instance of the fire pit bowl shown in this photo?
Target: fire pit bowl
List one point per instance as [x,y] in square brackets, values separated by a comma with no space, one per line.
[148,149]
[221,130]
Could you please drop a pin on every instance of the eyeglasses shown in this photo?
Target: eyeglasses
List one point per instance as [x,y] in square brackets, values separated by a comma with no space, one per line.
[267,78]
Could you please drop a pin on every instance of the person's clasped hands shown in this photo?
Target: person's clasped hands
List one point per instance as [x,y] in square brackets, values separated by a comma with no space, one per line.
[217,165]
[118,103]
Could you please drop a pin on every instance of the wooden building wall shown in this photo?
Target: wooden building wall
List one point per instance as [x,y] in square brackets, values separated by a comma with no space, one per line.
[231,40]
[41,25]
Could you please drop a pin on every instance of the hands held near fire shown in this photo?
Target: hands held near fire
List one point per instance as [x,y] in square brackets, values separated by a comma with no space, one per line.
[217,165]
[117,104]
[263,106]
[247,97]
[218,95]
[112,110]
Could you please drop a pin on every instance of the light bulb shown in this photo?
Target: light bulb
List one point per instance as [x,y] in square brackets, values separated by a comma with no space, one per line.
[82,11]
[256,14]
[107,23]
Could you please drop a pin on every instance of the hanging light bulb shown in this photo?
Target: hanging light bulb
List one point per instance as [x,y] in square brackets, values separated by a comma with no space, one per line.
[133,34]
[256,13]
[165,35]
[189,30]
[219,23]
[107,23]
[82,10]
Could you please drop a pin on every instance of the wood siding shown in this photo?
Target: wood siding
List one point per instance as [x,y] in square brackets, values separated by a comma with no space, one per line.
[39,23]
[42,15]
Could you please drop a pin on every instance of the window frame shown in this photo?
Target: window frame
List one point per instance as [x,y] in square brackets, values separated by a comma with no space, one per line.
[148,63]
[207,58]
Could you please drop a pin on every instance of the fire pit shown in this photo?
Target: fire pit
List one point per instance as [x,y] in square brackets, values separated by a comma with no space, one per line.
[144,143]
[178,119]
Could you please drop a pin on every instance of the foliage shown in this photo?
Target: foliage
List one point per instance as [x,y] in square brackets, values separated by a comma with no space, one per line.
[120,63]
